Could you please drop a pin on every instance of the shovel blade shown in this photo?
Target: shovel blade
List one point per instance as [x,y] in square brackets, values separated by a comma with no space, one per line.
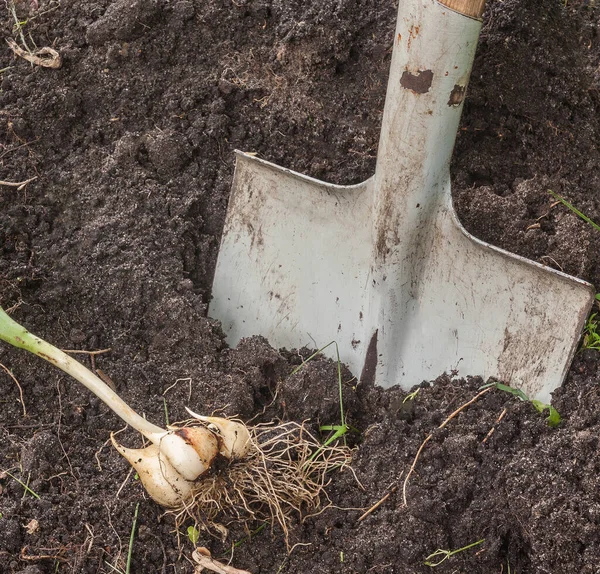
[292,257]
[295,265]
[384,268]
[480,310]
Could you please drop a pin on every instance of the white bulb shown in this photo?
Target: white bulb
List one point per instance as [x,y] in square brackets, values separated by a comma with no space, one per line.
[162,482]
[234,437]
[191,450]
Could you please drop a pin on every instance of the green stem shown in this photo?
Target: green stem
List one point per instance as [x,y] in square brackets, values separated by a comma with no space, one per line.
[449,553]
[18,336]
[131,538]
[574,210]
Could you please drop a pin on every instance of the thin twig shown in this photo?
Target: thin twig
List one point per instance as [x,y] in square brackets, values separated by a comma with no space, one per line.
[90,538]
[380,502]
[97,453]
[80,351]
[428,437]
[92,355]
[488,435]
[18,184]
[4,153]
[18,385]
[9,310]
[124,483]
[57,557]
[188,380]
[58,428]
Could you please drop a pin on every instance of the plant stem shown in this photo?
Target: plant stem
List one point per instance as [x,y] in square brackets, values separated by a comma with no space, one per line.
[25,486]
[575,210]
[131,538]
[18,336]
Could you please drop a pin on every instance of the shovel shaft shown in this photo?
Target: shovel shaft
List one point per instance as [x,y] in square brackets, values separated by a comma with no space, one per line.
[433,53]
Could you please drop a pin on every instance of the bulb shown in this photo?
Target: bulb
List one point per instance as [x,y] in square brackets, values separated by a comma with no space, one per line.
[190,450]
[234,437]
[162,482]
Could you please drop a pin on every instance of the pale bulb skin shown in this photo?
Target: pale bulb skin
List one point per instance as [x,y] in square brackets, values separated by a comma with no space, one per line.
[162,482]
[190,450]
[234,437]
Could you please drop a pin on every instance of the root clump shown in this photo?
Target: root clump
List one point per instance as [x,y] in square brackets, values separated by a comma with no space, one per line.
[283,473]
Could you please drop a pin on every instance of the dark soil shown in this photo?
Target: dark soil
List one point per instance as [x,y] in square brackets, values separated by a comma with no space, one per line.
[114,246]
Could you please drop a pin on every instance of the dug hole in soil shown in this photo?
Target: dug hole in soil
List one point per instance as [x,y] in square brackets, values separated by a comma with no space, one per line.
[113,246]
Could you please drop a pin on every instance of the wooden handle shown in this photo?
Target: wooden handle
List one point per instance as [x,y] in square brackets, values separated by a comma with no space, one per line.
[472,8]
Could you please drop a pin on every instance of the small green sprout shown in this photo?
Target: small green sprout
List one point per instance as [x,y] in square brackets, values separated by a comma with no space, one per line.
[131,538]
[166,411]
[254,532]
[448,553]
[193,534]
[411,396]
[18,26]
[553,419]
[591,336]
[130,549]
[341,430]
[28,490]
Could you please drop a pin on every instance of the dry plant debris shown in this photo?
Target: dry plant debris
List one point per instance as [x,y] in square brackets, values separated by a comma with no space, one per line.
[204,560]
[428,438]
[45,57]
[18,184]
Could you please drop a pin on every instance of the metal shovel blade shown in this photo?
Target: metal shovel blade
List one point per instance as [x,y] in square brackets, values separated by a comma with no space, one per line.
[384,268]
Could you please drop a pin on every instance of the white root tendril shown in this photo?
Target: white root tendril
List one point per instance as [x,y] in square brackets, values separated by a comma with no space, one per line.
[284,473]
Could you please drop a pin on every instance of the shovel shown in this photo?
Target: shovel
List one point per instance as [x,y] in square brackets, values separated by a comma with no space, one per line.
[384,268]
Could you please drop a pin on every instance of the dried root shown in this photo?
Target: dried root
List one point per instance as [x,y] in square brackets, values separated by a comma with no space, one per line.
[45,57]
[205,561]
[284,473]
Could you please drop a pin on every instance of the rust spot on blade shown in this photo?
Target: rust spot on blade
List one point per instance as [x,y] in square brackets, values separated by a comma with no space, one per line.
[457,95]
[418,82]
[412,33]
[369,368]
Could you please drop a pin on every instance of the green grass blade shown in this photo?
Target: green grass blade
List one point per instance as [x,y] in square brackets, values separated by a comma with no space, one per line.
[575,210]
[25,486]
[131,538]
